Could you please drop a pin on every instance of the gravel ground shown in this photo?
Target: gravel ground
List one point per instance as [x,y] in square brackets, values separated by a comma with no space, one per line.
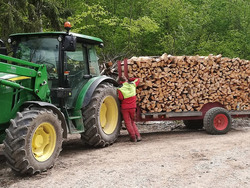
[168,156]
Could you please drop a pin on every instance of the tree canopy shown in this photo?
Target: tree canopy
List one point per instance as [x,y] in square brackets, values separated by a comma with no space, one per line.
[142,27]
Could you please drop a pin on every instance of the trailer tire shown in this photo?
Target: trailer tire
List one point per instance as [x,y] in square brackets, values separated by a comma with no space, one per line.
[101,117]
[217,121]
[33,141]
[193,124]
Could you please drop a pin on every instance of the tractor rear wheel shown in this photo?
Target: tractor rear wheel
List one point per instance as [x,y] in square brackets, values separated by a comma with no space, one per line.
[33,141]
[101,117]
[193,124]
[217,121]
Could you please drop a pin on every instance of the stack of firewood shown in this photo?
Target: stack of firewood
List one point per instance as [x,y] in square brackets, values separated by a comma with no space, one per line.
[186,83]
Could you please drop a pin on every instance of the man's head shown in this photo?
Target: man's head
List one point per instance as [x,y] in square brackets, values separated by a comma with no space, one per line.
[123,79]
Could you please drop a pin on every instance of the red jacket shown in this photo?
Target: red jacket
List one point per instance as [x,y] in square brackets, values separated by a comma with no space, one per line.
[130,102]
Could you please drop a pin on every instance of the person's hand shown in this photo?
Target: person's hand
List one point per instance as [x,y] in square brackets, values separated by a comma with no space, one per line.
[131,79]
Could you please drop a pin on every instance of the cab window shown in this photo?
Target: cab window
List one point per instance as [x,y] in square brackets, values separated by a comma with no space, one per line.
[77,60]
[76,64]
[93,62]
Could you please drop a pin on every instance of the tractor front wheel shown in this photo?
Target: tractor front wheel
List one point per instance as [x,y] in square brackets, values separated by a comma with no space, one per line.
[102,117]
[33,141]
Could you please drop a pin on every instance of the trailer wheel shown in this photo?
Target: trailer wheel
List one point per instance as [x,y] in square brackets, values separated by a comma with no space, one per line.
[193,124]
[33,141]
[217,121]
[101,117]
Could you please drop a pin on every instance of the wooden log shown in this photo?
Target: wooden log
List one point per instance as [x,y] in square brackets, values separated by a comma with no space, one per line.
[186,83]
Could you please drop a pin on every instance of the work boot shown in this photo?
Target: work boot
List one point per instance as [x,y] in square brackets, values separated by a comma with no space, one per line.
[138,138]
[133,139]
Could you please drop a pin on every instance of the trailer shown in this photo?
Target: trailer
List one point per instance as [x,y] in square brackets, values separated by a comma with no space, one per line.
[214,117]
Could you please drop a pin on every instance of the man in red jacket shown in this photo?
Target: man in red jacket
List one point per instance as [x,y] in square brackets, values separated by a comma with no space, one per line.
[127,96]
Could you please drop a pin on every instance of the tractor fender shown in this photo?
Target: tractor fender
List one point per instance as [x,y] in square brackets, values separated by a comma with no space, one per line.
[94,85]
[88,90]
[54,109]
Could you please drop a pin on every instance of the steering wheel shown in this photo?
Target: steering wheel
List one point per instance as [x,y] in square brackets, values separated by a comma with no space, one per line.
[50,66]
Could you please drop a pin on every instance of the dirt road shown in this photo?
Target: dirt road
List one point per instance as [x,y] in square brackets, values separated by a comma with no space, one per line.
[165,158]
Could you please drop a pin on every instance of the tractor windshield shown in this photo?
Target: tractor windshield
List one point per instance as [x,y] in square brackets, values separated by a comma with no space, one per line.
[40,51]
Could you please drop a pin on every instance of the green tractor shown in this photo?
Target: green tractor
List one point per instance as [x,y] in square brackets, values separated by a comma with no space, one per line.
[50,88]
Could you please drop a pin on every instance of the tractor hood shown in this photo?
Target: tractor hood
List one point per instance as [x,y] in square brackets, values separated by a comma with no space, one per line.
[4,76]
[12,77]
[12,98]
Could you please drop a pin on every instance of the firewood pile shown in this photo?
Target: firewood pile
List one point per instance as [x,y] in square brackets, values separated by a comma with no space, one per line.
[186,83]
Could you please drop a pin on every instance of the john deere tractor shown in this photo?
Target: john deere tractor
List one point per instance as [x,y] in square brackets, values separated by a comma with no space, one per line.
[49,88]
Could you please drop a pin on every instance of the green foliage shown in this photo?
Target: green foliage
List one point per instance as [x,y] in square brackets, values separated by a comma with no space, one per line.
[141,27]
[31,15]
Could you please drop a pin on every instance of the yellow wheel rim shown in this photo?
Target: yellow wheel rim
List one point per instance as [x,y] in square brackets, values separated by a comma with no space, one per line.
[43,141]
[109,115]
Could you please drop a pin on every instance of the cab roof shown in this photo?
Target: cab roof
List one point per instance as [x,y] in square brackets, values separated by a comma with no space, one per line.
[79,37]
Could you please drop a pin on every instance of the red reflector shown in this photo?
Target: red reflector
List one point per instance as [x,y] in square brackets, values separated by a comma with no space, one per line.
[66,72]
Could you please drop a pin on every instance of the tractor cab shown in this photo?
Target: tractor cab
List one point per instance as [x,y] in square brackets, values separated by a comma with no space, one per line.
[70,59]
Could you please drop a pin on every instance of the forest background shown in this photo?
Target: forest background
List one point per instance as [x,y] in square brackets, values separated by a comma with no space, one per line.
[140,27]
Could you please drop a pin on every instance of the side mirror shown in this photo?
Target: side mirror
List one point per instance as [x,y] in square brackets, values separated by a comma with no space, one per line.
[69,43]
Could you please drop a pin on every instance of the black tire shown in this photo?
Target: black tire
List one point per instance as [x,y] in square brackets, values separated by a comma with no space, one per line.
[217,121]
[33,141]
[102,126]
[193,124]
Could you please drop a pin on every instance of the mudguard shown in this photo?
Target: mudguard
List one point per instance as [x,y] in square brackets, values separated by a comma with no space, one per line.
[54,109]
[88,90]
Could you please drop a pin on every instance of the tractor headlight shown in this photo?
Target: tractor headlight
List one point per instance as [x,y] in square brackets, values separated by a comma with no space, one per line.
[59,38]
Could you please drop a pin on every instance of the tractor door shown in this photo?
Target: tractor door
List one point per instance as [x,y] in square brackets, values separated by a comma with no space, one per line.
[81,65]
[77,71]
